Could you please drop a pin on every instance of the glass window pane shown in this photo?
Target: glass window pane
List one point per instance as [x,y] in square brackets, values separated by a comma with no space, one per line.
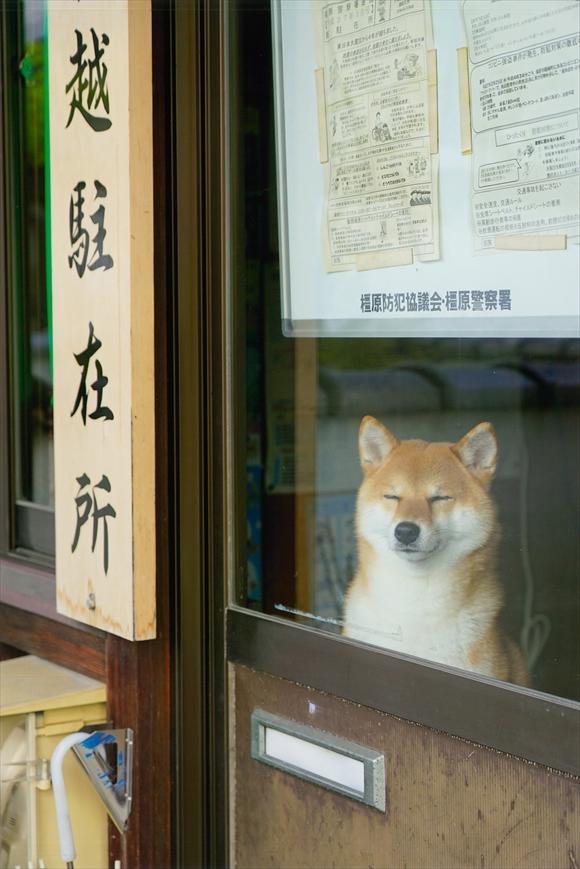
[30,273]
[446,526]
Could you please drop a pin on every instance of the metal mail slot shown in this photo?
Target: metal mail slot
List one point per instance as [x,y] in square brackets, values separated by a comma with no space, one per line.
[317,756]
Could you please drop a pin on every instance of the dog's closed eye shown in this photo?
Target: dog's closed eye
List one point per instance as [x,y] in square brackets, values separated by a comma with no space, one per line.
[435,498]
[392,497]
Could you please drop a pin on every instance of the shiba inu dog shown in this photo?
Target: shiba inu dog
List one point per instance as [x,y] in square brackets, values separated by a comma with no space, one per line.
[427,532]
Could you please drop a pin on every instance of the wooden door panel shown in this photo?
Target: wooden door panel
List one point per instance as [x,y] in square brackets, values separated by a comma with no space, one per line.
[451,804]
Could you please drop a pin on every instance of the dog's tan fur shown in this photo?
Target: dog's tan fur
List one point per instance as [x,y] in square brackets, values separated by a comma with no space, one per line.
[439,596]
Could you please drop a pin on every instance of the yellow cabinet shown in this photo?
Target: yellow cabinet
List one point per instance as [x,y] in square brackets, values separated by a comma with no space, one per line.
[41,702]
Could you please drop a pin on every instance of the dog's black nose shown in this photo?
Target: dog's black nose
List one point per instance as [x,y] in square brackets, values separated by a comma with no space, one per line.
[407,532]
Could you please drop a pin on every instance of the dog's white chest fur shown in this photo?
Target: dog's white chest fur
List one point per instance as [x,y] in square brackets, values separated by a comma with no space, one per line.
[412,612]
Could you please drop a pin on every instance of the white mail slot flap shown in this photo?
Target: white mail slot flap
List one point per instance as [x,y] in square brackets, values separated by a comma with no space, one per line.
[315,755]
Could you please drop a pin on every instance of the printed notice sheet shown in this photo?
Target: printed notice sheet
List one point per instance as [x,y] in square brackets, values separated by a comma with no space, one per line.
[524,88]
[375,129]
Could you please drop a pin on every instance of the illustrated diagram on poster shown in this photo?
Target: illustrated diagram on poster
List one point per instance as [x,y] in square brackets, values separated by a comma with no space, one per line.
[377,123]
[524,73]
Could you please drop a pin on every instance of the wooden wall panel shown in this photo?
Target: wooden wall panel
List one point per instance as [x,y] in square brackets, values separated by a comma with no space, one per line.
[76,648]
[450,804]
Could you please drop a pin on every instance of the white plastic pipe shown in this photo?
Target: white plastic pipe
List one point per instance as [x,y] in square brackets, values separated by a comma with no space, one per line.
[65,835]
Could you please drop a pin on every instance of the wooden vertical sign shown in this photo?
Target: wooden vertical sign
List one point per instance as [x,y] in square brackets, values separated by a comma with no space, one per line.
[102,278]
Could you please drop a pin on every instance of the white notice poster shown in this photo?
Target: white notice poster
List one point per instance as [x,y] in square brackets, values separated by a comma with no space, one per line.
[373,103]
[525,89]
[388,224]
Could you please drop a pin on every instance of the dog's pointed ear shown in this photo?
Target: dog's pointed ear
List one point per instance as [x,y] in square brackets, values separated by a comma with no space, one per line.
[375,442]
[478,451]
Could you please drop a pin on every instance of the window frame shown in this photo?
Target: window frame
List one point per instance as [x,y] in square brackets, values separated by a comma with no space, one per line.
[5,518]
[26,528]
[520,721]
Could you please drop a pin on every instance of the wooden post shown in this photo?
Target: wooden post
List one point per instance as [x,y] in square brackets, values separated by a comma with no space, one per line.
[306,383]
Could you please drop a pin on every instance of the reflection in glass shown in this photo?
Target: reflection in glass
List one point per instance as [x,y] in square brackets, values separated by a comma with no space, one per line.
[31,357]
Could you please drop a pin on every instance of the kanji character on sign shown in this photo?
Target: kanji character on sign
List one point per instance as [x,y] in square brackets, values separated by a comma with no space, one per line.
[83,358]
[84,504]
[89,86]
[79,236]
